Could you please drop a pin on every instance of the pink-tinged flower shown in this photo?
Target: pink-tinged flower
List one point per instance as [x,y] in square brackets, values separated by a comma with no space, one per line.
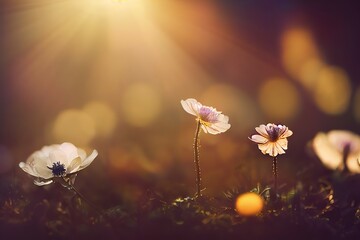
[272,139]
[56,161]
[212,121]
[338,147]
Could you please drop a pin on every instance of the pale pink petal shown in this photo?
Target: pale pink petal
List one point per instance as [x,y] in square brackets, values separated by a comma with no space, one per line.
[205,129]
[279,149]
[220,127]
[223,118]
[353,163]
[286,134]
[283,143]
[340,138]
[258,139]
[265,147]
[191,106]
[328,155]
[262,130]
[272,151]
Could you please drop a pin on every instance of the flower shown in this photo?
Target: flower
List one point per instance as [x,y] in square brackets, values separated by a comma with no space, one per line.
[56,161]
[334,146]
[272,139]
[212,121]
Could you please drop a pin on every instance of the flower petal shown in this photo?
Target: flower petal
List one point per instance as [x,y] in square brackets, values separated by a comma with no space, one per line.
[283,143]
[70,150]
[28,169]
[278,147]
[266,147]
[286,134]
[220,127]
[58,156]
[74,165]
[42,182]
[43,172]
[81,153]
[353,163]
[88,160]
[327,154]
[191,106]
[262,130]
[258,139]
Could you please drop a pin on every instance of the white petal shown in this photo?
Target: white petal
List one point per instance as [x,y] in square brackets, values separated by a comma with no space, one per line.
[340,138]
[46,150]
[279,149]
[70,150]
[273,151]
[191,106]
[223,118]
[211,130]
[88,160]
[74,165]
[81,153]
[262,130]
[353,163]
[328,155]
[43,172]
[28,169]
[258,139]
[58,156]
[283,143]
[286,134]
[265,148]
[220,127]
[42,182]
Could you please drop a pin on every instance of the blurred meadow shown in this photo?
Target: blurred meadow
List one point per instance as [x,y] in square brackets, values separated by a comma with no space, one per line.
[109,75]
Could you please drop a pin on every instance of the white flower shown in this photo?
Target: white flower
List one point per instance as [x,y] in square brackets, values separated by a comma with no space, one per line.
[332,147]
[212,121]
[272,139]
[56,161]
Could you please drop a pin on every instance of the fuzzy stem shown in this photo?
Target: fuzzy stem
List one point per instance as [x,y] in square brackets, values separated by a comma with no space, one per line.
[274,166]
[71,187]
[196,158]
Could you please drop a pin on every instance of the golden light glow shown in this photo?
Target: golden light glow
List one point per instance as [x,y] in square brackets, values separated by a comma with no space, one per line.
[357,105]
[74,126]
[298,47]
[249,204]
[103,116]
[140,105]
[332,90]
[233,102]
[309,71]
[279,99]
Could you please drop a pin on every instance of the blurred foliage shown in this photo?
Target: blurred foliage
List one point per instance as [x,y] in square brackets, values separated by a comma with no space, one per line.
[327,207]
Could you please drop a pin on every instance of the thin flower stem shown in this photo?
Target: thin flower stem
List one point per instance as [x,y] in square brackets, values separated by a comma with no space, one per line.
[275,175]
[71,187]
[196,158]
[346,152]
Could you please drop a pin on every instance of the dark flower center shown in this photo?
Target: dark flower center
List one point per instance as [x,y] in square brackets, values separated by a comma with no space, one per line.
[274,132]
[58,169]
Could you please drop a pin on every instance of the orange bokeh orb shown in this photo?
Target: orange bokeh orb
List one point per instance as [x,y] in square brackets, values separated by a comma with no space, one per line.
[249,204]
